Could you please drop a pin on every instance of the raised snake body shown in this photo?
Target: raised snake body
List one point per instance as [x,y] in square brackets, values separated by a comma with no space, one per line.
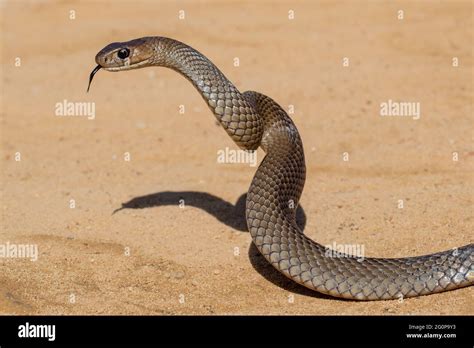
[254,120]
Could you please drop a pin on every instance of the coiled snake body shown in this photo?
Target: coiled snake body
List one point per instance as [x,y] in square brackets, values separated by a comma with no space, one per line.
[254,120]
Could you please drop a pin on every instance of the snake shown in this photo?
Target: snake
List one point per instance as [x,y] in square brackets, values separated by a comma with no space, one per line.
[254,120]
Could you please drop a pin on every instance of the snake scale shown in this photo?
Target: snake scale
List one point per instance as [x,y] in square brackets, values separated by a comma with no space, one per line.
[254,120]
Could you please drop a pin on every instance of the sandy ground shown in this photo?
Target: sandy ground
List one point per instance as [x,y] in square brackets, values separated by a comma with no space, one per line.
[154,257]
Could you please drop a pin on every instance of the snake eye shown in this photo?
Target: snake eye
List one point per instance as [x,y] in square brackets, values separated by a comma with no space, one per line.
[123,53]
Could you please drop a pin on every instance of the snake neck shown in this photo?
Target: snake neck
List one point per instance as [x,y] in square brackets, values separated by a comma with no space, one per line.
[235,113]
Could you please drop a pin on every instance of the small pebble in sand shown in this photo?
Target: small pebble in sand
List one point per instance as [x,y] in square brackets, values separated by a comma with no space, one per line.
[178,275]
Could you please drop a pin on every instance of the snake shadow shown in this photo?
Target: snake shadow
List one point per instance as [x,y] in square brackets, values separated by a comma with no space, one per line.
[233,215]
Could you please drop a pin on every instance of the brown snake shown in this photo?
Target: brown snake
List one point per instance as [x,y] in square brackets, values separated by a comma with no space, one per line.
[254,120]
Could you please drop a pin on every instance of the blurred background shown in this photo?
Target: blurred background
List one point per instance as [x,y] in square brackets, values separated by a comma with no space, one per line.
[331,62]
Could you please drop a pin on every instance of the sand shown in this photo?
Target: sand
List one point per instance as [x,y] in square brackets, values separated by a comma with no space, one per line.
[180,245]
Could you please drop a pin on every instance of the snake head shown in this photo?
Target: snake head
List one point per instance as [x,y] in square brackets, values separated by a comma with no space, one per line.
[119,56]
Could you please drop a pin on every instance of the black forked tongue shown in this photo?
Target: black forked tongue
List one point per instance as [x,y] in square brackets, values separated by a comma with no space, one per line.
[96,69]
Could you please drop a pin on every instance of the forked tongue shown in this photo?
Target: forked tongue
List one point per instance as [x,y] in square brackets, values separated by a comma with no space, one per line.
[96,69]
